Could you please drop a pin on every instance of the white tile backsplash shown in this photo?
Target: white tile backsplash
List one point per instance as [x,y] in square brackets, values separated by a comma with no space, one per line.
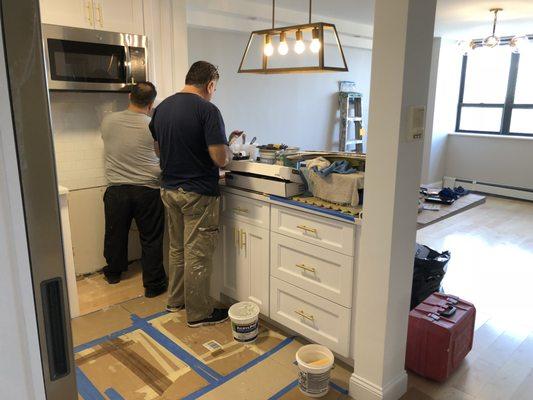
[79,149]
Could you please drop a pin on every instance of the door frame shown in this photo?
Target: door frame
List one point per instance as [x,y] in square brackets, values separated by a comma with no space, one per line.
[34,204]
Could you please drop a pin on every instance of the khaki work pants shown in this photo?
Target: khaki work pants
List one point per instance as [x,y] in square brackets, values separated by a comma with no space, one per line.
[193,232]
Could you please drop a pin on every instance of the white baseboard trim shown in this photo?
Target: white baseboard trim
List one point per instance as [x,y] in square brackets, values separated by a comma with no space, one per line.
[363,389]
[498,190]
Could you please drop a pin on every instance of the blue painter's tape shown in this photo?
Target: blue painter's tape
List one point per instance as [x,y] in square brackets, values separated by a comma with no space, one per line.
[196,365]
[312,207]
[113,394]
[338,388]
[285,390]
[293,384]
[86,389]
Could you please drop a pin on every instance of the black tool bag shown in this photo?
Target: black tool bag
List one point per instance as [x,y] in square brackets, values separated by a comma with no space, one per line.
[429,270]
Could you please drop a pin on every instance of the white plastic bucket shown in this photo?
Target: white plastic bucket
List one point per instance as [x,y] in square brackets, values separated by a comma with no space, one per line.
[244,321]
[315,363]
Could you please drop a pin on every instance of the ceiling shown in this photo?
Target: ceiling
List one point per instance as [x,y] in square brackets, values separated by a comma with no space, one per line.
[461,19]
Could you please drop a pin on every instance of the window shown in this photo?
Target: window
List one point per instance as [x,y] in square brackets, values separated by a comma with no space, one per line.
[496,93]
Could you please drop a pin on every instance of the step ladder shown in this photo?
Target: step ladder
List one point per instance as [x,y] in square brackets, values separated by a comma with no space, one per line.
[351,116]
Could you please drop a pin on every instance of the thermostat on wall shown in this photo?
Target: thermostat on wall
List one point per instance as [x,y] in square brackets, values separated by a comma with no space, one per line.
[417,121]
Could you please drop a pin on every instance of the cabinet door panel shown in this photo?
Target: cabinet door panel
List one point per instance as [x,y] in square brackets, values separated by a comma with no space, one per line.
[236,276]
[258,263]
[75,13]
[124,16]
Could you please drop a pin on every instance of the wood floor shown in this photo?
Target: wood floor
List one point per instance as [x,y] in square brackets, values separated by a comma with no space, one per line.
[492,266]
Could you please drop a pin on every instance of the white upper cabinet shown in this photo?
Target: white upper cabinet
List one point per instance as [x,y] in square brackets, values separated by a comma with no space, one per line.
[76,13]
[119,16]
[124,16]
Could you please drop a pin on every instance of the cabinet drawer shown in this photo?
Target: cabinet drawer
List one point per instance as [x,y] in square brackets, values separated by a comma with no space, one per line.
[323,272]
[320,320]
[248,210]
[329,233]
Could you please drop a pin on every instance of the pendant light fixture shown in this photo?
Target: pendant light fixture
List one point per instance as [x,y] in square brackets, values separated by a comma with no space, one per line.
[493,40]
[518,43]
[313,30]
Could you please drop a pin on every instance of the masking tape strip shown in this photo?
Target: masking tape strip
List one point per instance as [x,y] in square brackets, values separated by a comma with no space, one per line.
[113,394]
[314,208]
[86,389]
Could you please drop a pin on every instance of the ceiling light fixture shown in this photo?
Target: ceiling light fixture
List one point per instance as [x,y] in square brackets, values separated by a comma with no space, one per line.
[315,30]
[493,40]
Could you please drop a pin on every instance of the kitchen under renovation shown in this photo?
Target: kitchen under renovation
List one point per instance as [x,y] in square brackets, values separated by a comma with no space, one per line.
[266,199]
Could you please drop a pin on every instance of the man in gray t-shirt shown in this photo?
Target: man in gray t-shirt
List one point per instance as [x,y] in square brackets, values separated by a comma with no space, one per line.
[132,171]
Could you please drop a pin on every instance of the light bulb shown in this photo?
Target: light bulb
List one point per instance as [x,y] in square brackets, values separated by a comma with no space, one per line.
[299,46]
[520,43]
[315,43]
[466,46]
[268,49]
[491,41]
[315,46]
[283,48]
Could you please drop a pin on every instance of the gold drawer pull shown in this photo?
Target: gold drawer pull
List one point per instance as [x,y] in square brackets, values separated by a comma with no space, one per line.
[243,210]
[307,229]
[304,315]
[306,268]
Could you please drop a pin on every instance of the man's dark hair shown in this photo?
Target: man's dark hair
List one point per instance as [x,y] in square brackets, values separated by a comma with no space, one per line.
[201,73]
[143,93]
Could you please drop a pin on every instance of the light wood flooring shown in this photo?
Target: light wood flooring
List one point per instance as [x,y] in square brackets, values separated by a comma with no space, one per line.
[491,265]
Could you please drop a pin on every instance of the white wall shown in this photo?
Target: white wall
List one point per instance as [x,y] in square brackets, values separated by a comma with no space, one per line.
[448,76]
[497,160]
[79,149]
[296,109]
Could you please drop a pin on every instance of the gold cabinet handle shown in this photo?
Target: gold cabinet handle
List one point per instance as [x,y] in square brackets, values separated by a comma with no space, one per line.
[89,7]
[100,15]
[307,229]
[306,268]
[242,210]
[302,314]
[243,239]
[237,238]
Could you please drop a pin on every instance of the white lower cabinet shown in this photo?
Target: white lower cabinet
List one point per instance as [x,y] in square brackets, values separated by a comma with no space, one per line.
[246,264]
[312,316]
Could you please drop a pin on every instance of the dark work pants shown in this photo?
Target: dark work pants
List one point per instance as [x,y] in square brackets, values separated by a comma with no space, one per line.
[122,204]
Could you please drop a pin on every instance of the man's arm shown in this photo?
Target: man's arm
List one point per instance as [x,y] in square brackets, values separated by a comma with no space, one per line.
[220,154]
[156,148]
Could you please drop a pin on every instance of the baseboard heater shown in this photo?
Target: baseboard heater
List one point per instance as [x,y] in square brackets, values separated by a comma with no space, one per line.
[490,188]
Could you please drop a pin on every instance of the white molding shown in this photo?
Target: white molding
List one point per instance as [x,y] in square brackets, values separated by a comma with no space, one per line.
[244,16]
[515,193]
[489,136]
[363,389]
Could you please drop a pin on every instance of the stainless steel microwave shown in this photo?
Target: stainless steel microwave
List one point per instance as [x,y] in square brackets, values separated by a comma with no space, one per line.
[91,60]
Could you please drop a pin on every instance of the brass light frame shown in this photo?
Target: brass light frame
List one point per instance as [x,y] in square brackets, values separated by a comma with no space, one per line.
[311,26]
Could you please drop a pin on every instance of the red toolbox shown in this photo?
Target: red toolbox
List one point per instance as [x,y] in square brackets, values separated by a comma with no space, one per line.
[440,335]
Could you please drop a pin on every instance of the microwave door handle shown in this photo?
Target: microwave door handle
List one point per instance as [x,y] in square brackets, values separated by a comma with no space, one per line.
[129,74]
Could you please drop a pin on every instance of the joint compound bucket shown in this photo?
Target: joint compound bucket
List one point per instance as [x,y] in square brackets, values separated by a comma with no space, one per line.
[244,321]
[315,363]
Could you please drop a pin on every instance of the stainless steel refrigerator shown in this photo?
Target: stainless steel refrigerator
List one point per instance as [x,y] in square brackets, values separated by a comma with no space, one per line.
[30,110]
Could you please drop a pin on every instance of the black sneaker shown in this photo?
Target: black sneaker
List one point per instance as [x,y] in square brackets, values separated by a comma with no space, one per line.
[112,279]
[218,316]
[154,292]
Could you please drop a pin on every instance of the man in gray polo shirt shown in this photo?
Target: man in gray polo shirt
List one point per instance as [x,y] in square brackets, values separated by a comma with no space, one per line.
[132,171]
